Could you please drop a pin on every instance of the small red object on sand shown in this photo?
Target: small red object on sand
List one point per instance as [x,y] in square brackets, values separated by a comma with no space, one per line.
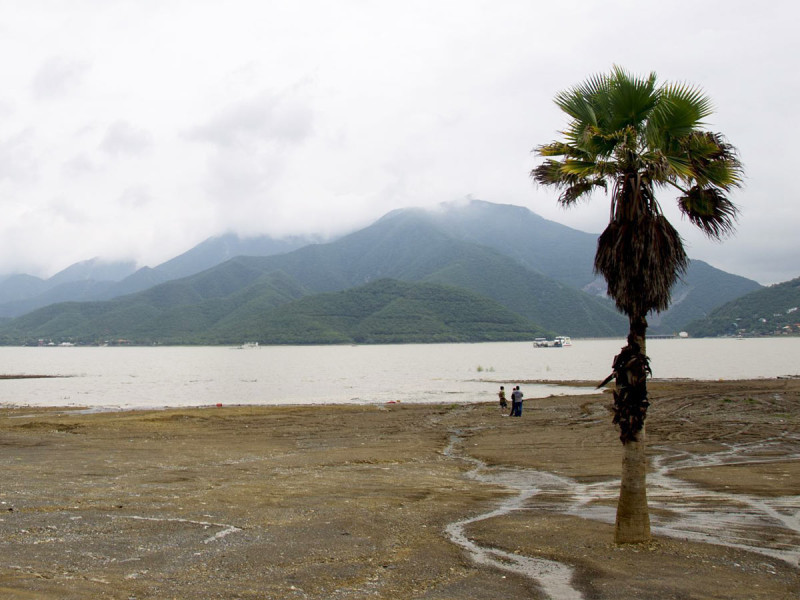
[219,404]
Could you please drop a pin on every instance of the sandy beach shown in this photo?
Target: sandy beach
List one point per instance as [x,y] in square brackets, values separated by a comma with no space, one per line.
[402,500]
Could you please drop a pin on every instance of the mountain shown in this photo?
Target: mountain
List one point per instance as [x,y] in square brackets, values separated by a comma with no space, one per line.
[702,289]
[546,247]
[172,313]
[403,246]
[85,280]
[502,253]
[98,280]
[407,246]
[383,312]
[94,270]
[15,288]
[774,310]
[216,250]
[567,255]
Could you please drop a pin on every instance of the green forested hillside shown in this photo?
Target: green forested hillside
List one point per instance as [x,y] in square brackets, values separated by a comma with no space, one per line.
[774,310]
[176,312]
[386,311]
[408,247]
[222,304]
[382,312]
[542,300]
[554,250]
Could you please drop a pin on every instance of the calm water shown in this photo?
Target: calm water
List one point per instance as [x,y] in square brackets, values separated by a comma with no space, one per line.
[157,377]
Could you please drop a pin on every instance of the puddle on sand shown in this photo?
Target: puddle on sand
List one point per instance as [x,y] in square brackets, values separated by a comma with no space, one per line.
[553,577]
[767,525]
[684,510]
[679,509]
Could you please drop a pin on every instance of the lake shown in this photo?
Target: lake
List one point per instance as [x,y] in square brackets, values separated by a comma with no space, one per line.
[145,377]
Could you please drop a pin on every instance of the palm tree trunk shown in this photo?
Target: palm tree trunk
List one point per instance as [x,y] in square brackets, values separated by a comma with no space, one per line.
[633,517]
[630,406]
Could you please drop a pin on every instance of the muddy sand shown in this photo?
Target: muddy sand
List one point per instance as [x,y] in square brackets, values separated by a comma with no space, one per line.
[403,501]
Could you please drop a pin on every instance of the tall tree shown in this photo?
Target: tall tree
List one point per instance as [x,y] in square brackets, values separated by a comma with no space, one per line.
[637,136]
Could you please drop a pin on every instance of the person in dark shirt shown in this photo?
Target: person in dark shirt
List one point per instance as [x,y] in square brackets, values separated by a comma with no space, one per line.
[516,402]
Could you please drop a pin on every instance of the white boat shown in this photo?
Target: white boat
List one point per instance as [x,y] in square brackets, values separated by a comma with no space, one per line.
[560,341]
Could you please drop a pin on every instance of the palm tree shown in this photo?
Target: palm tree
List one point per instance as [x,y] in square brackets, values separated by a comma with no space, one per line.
[639,137]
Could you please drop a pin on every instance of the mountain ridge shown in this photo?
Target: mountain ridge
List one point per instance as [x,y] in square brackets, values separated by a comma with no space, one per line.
[502,252]
[774,310]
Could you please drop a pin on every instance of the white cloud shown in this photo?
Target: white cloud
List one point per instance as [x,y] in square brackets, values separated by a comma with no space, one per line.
[58,76]
[136,197]
[264,119]
[123,138]
[79,166]
[160,123]
[17,161]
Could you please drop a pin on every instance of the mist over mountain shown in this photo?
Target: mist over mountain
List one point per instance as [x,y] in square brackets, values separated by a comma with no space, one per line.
[539,270]
[95,269]
[546,247]
[567,255]
[97,280]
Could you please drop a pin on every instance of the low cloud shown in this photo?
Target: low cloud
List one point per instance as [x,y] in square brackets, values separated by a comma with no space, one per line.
[136,197]
[253,142]
[262,119]
[57,77]
[122,138]
[17,161]
[80,165]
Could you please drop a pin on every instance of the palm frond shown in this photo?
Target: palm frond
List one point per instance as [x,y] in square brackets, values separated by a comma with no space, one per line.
[555,149]
[710,210]
[579,190]
[714,161]
[688,100]
[579,168]
[574,185]
[594,86]
[630,99]
[577,106]
[593,142]
[549,173]
[671,167]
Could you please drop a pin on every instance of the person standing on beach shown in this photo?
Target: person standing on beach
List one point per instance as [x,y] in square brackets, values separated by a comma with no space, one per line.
[516,402]
[502,395]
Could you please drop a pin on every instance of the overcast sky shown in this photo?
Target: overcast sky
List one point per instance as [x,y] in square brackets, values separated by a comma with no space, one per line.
[135,130]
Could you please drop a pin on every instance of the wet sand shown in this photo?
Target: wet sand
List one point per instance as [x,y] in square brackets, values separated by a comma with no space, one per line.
[403,501]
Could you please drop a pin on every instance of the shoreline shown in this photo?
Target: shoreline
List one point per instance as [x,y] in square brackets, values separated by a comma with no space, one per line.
[351,501]
[567,383]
